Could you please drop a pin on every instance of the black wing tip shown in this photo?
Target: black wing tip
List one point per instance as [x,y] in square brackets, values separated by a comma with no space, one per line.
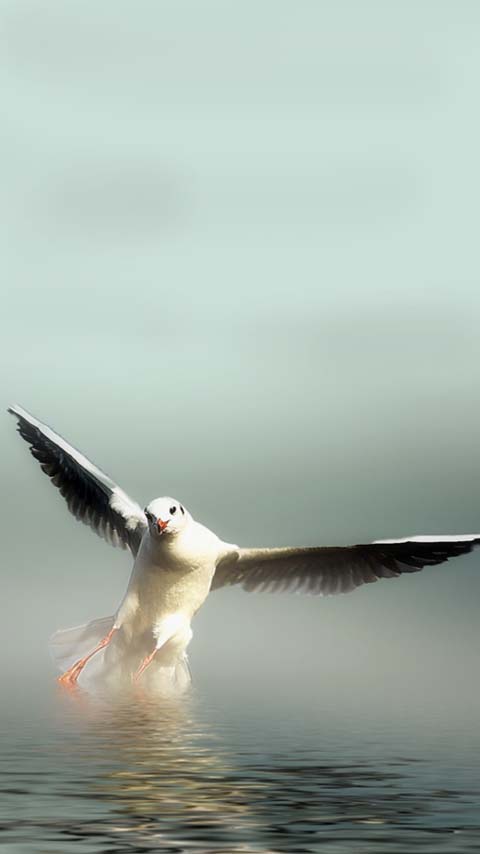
[23,417]
[25,422]
[18,411]
[13,410]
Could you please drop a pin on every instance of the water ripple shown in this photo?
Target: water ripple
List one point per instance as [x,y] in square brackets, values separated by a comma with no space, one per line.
[182,778]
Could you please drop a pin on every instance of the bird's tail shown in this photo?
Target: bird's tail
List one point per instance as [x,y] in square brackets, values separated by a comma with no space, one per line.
[68,645]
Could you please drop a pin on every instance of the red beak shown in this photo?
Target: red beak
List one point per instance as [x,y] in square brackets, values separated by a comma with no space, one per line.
[161,525]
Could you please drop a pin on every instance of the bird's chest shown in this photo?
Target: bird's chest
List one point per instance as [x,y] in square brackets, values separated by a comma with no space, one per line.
[165,590]
[171,576]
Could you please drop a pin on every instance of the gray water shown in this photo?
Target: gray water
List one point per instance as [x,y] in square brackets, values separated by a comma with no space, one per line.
[86,775]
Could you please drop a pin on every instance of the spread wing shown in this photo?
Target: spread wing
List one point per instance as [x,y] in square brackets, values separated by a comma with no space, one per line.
[336,569]
[91,495]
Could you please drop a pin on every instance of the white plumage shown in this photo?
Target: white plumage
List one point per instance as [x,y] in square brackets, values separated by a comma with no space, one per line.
[178,561]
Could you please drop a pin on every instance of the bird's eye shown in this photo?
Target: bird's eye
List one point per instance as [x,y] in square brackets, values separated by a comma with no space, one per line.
[181,508]
[173,510]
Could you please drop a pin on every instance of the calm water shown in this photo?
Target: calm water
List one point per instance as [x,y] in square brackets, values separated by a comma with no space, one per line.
[93,776]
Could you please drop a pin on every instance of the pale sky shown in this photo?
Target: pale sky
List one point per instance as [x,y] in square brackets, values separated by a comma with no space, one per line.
[240,266]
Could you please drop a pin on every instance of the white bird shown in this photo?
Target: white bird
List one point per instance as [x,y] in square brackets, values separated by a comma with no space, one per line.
[178,561]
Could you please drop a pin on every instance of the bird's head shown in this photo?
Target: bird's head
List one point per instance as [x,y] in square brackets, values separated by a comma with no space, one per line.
[166,517]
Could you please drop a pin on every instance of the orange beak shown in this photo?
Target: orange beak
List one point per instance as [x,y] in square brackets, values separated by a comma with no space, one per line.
[162,525]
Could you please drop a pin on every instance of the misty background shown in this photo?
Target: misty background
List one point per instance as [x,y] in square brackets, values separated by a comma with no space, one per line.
[240,267]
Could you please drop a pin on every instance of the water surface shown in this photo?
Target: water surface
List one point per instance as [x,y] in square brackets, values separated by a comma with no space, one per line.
[84,775]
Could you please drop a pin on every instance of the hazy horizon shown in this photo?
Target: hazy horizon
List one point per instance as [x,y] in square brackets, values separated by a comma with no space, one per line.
[241,268]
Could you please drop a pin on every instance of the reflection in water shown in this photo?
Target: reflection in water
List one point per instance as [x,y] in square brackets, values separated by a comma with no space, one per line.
[173,775]
[137,776]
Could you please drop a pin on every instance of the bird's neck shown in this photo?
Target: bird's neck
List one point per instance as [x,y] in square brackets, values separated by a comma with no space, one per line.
[193,547]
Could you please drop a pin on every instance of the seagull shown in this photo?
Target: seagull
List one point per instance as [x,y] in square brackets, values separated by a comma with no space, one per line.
[178,562]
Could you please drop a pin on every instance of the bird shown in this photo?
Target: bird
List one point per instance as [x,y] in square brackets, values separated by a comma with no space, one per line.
[177,562]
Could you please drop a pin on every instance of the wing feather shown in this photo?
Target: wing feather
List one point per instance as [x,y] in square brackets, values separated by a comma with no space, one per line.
[91,496]
[336,569]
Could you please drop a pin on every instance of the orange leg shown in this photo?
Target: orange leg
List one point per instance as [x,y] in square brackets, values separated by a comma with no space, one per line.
[69,678]
[146,661]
